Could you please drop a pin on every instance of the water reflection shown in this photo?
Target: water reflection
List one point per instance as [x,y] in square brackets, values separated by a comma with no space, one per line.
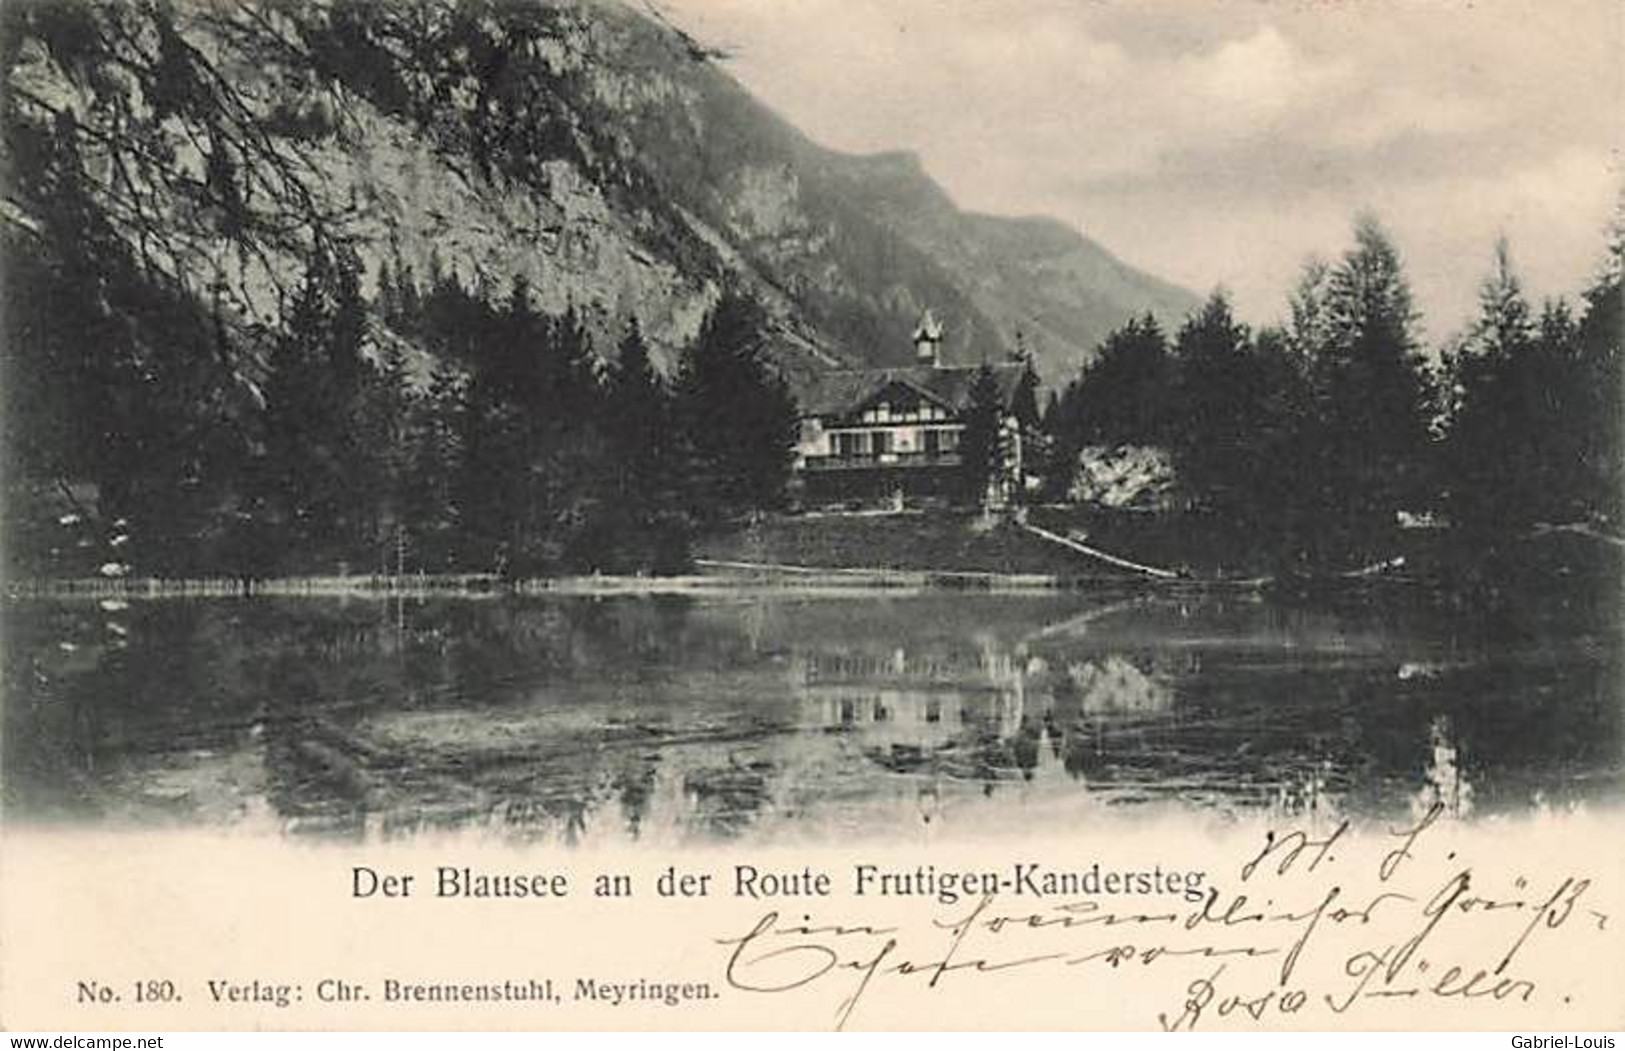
[1444,785]
[773,717]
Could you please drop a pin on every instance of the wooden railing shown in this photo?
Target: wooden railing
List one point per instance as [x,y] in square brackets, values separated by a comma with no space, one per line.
[860,461]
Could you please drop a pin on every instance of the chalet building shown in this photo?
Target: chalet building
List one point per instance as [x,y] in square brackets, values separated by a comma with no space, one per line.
[891,435]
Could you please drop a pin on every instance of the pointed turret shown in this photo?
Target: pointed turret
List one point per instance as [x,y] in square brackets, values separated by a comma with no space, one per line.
[928,340]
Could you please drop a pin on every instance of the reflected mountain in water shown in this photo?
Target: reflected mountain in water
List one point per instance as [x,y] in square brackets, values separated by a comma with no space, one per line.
[765,717]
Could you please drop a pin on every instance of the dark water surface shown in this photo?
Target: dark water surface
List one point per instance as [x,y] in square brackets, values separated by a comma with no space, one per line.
[778,716]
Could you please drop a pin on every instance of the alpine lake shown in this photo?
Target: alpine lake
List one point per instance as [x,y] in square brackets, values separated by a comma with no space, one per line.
[773,715]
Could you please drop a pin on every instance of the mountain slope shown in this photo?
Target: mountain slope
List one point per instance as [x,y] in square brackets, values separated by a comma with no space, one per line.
[863,243]
[579,145]
[1063,292]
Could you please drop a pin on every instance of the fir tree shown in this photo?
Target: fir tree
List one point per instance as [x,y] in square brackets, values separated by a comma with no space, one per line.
[1369,434]
[1274,418]
[1493,465]
[1024,401]
[1122,397]
[735,413]
[1214,387]
[981,453]
[300,476]
[638,419]
[429,491]
[648,527]
[1596,411]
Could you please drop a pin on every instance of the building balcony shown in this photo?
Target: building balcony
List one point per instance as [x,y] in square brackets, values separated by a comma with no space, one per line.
[872,461]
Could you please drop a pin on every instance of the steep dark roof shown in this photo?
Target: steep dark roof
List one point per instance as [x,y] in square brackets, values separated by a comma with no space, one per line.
[847,390]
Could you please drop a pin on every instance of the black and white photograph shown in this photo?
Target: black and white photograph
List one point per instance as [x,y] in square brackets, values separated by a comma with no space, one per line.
[717,425]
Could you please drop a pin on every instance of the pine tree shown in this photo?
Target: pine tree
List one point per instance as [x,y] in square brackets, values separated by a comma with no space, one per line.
[429,492]
[637,417]
[300,476]
[1596,411]
[1125,394]
[369,406]
[648,528]
[735,414]
[1050,421]
[1494,475]
[1024,401]
[981,454]
[1309,329]
[495,490]
[1123,397]
[384,452]
[575,460]
[327,487]
[532,489]
[1369,437]
[1214,386]
[1274,420]
[115,376]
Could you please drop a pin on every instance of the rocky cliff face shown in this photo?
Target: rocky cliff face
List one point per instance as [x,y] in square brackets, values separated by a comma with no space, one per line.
[599,154]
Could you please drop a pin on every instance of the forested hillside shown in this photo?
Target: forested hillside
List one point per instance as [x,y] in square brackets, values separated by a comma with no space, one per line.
[193,189]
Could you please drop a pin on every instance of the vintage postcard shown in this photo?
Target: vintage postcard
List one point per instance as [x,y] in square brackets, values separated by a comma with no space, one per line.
[833,514]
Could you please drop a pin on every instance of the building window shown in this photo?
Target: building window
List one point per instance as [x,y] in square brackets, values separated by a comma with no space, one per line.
[859,443]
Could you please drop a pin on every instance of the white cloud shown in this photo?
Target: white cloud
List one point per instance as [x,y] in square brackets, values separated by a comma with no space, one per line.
[1255,80]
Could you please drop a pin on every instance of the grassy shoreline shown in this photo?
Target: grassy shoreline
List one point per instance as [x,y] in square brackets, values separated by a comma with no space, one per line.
[725,579]
[831,553]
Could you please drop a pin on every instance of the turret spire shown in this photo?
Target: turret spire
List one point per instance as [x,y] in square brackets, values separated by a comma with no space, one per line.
[928,340]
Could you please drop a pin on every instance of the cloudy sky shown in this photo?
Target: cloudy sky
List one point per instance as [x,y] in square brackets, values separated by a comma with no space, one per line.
[1222,141]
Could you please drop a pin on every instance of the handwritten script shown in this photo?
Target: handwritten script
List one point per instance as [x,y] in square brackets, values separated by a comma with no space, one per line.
[1292,931]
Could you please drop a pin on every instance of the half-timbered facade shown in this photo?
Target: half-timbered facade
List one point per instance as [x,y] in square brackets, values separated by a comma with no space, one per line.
[892,435]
